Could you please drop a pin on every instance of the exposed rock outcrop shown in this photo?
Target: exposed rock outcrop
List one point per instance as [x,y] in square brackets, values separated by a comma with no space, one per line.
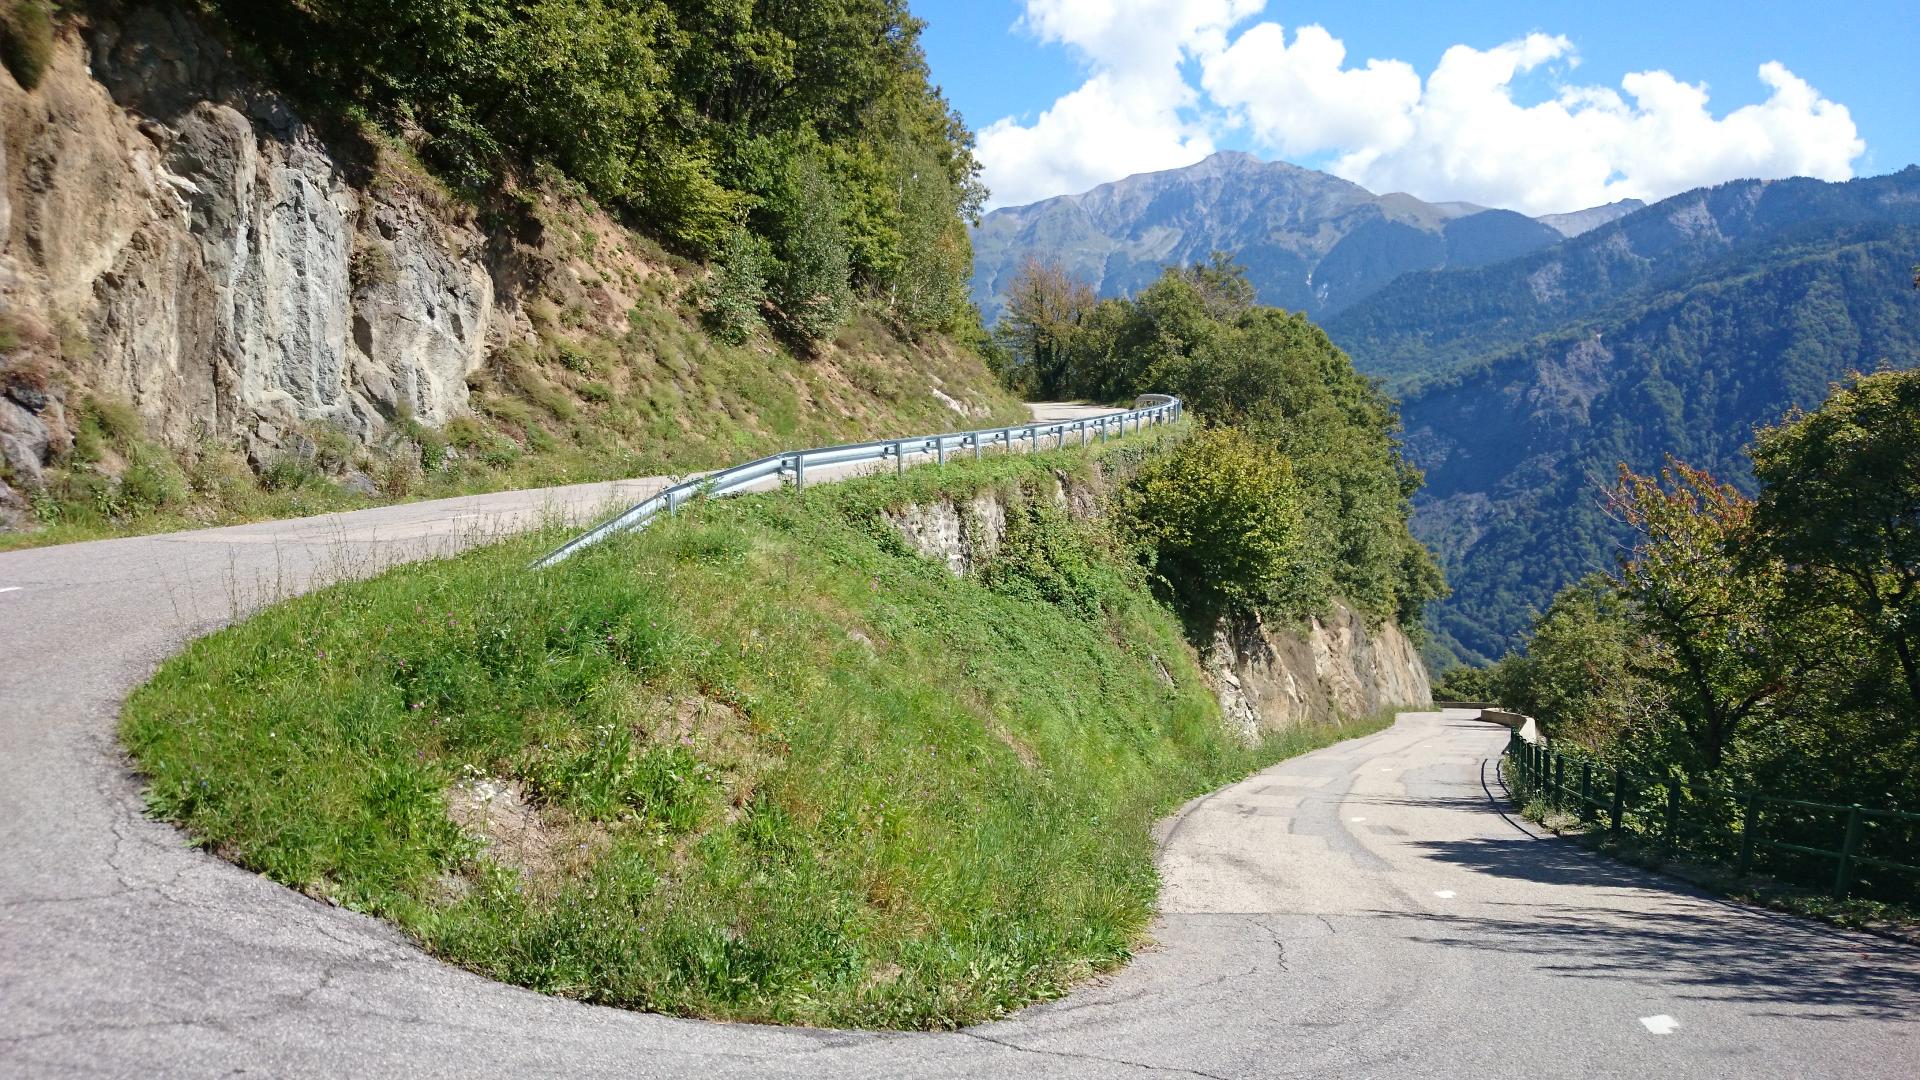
[1266,677]
[187,243]
[1336,666]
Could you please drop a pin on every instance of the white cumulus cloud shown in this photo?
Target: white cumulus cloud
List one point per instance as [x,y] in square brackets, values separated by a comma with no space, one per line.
[1135,113]
[1458,133]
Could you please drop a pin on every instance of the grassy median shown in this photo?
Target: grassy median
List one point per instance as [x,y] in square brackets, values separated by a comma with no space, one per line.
[759,762]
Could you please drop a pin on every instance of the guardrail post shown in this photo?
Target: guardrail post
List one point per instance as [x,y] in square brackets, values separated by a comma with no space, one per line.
[1749,821]
[1619,797]
[1082,425]
[799,472]
[1843,877]
[899,458]
[670,502]
[939,450]
[975,440]
[1672,839]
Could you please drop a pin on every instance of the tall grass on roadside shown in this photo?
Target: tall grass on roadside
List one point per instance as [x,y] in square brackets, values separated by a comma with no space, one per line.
[761,761]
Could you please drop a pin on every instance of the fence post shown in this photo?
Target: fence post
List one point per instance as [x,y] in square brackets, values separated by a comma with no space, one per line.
[1559,779]
[1749,820]
[1843,877]
[1619,797]
[1673,816]
[1586,789]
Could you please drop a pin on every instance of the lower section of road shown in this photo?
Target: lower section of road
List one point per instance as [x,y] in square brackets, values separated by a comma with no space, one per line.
[1364,911]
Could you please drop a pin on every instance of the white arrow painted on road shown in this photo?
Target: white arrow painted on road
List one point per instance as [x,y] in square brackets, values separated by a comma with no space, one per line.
[1660,1025]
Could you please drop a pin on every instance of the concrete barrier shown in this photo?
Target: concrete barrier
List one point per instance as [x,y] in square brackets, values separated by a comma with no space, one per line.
[1528,728]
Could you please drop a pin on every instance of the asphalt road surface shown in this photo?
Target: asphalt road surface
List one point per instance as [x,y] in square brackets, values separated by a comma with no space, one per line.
[1363,911]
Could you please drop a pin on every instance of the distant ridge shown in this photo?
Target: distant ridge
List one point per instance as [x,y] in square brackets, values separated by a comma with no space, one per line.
[1581,221]
[1310,241]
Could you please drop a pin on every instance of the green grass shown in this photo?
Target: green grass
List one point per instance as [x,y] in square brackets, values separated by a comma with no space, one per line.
[775,765]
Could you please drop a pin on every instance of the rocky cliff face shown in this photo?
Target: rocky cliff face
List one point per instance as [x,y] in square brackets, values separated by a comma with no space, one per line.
[1267,677]
[1336,666]
[175,236]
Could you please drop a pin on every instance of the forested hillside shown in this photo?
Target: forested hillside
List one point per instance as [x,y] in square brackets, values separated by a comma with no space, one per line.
[1424,327]
[1311,242]
[1518,449]
[799,144]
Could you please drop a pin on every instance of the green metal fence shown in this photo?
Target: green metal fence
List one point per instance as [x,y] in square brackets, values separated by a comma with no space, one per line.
[1846,850]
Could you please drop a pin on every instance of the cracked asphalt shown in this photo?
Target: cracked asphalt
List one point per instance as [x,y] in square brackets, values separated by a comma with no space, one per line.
[1363,911]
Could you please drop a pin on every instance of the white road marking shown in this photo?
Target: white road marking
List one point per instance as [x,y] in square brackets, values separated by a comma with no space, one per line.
[1660,1025]
[1444,894]
[1357,819]
[11,588]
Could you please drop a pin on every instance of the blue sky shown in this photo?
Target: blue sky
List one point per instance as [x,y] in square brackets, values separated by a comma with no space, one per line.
[1157,83]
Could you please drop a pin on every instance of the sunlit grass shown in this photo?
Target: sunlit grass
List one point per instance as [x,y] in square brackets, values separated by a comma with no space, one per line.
[770,764]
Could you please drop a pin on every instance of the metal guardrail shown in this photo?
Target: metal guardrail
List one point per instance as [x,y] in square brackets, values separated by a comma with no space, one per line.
[1877,849]
[1149,409]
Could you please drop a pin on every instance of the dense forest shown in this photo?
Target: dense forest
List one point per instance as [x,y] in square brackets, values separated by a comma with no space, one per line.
[1518,452]
[1319,439]
[1767,641]
[1428,330]
[799,146]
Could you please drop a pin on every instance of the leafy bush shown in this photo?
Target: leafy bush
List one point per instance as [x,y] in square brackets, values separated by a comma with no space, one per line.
[1219,517]
[809,278]
[730,299]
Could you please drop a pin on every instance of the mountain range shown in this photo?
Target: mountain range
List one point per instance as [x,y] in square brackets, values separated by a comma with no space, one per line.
[1311,242]
[1531,356]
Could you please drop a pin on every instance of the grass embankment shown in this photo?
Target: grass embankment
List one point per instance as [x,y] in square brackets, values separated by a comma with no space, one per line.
[761,761]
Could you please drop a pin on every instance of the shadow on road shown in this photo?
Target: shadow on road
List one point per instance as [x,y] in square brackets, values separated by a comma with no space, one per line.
[1549,862]
[1666,934]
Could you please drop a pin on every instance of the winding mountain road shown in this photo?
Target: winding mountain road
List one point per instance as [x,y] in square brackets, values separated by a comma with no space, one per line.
[1363,911]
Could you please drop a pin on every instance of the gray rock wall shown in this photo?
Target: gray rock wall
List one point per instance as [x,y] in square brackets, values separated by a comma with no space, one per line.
[1269,678]
[178,238]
